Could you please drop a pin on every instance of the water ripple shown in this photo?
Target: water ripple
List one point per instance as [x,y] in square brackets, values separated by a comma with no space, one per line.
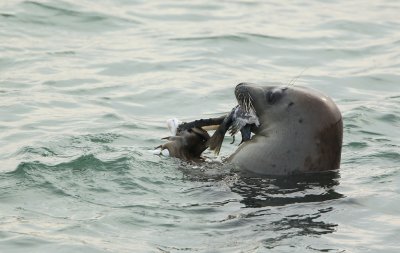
[86,87]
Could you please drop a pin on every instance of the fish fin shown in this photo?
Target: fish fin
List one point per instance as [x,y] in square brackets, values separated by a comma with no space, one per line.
[215,142]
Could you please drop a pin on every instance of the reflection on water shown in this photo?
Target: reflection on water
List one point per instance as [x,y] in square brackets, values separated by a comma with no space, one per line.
[263,191]
[279,191]
[293,190]
[284,208]
[298,225]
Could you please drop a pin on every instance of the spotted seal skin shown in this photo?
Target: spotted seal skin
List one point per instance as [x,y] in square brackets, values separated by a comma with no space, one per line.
[301,130]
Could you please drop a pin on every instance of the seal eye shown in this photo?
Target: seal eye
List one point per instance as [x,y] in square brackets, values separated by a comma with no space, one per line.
[273,96]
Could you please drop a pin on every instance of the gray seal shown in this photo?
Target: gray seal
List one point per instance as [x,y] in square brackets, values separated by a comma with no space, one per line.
[301,130]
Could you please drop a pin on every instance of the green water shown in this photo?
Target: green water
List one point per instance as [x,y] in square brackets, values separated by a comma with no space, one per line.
[86,88]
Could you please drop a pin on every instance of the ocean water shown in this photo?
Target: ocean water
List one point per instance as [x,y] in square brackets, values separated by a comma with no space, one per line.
[86,88]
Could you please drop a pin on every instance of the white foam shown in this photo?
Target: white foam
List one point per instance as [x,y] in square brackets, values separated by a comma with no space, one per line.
[155,151]
[173,125]
[165,152]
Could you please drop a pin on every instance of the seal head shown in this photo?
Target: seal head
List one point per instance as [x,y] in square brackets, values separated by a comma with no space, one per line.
[300,130]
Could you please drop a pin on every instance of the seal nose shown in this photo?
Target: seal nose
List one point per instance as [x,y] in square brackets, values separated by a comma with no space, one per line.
[240,89]
[240,85]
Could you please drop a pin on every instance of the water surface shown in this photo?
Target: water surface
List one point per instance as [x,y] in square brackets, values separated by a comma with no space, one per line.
[86,87]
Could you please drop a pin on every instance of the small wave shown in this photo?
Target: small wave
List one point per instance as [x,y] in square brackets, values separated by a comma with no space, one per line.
[73,177]
[69,83]
[349,126]
[6,15]
[103,138]
[394,156]
[46,14]
[357,145]
[81,163]
[390,117]
[370,133]
[88,162]
[357,27]
[213,38]
[267,37]
[61,53]
[41,151]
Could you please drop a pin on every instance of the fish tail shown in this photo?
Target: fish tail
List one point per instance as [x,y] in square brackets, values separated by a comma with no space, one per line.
[215,142]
